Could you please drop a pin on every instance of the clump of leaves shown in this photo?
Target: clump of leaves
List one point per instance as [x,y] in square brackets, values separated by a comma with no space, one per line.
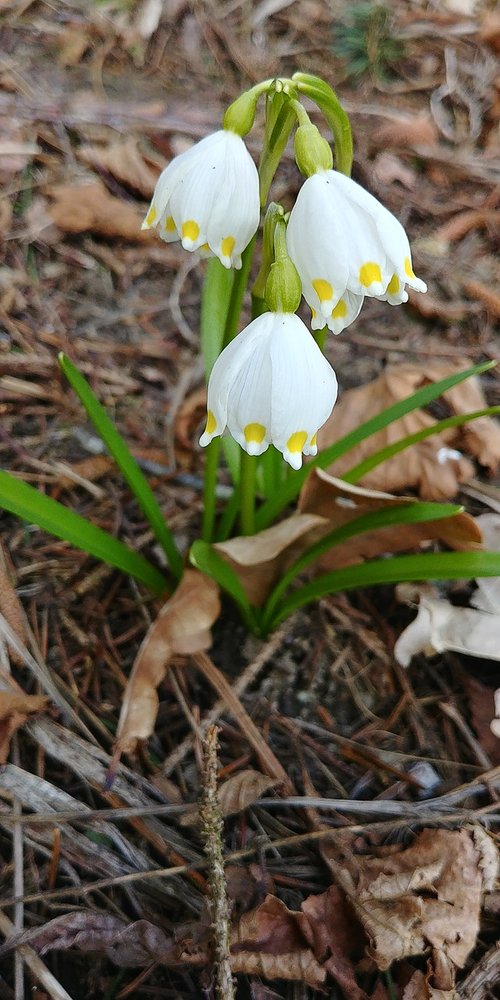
[366,43]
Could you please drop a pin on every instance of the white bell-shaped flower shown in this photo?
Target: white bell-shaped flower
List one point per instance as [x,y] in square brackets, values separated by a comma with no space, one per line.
[271,385]
[346,245]
[208,197]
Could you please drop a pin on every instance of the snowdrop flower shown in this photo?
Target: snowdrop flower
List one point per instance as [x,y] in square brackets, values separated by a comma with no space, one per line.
[271,385]
[208,197]
[346,245]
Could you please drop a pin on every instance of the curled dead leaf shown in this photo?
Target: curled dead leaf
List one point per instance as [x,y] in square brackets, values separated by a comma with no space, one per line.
[326,503]
[425,897]
[15,708]
[181,628]
[340,502]
[259,560]
[239,792]
[429,466]
[11,608]
[268,941]
[128,945]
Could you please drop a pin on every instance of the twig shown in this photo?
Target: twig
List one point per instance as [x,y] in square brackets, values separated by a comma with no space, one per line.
[268,760]
[212,825]
[244,681]
[18,854]
[476,986]
[34,963]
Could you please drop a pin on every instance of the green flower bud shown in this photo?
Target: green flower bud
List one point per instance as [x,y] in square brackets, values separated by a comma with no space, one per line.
[312,151]
[283,287]
[240,115]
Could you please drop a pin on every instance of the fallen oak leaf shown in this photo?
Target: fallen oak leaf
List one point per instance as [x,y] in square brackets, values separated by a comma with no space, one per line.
[181,628]
[15,708]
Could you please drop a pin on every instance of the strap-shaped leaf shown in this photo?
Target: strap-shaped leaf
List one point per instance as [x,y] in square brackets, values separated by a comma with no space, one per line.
[34,507]
[125,462]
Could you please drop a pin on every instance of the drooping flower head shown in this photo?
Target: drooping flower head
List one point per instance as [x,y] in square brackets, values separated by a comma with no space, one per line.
[208,197]
[271,385]
[345,246]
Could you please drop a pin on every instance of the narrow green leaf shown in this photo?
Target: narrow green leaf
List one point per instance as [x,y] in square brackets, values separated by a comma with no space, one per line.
[206,559]
[34,507]
[358,471]
[404,513]
[272,507]
[125,462]
[430,566]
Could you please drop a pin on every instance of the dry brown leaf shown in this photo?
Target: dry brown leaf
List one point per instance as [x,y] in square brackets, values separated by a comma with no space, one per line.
[239,792]
[427,896]
[429,466]
[11,608]
[181,628]
[481,700]
[125,161]
[259,560]
[74,43]
[300,965]
[269,941]
[91,469]
[80,208]
[419,988]
[335,936]
[490,29]
[326,503]
[136,944]
[15,708]
[339,503]
[408,131]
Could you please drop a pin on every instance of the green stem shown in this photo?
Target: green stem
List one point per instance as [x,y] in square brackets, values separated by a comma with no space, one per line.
[248,468]
[240,282]
[209,488]
[326,99]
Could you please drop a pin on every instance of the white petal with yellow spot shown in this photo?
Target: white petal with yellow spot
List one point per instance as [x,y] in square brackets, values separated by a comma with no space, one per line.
[271,385]
[345,246]
[208,197]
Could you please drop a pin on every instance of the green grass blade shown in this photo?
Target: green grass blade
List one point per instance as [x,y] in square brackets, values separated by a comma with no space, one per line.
[272,507]
[206,559]
[431,566]
[34,507]
[126,463]
[405,513]
[358,471]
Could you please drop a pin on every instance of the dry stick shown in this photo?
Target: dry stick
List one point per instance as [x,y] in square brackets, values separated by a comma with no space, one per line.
[391,826]
[18,854]
[248,676]
[34,963]
[212,825]
[484,975]
[269,762]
